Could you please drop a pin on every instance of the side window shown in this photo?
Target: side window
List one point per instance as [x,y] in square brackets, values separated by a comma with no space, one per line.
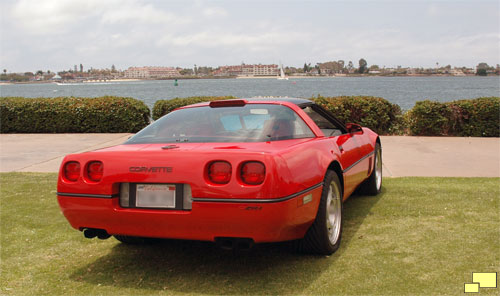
[327,127]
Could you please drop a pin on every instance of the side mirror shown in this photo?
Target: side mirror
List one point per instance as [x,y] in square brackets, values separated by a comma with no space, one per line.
[353,128]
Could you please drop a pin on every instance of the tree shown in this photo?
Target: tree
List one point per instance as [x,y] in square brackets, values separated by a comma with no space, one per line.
[186,71]
[340,65]
[482,69]
[4,71]
[481,72]
[113,69]
[482,66]
[362,65]
[350,66]
[39,72]
[318,68]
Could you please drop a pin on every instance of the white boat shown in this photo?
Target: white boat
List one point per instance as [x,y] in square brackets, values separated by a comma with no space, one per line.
[282,74]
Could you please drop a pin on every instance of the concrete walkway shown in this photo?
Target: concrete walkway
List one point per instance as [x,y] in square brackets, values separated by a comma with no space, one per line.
[402,156]
[44,152]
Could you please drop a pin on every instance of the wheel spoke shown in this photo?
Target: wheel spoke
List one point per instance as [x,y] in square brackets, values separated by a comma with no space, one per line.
[378,169]
[333,213]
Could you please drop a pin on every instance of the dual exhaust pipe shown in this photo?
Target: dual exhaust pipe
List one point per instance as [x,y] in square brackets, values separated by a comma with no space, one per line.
[225,243]
[234,243]
[95,232]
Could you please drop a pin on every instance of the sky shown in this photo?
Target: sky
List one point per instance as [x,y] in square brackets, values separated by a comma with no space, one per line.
[58,34]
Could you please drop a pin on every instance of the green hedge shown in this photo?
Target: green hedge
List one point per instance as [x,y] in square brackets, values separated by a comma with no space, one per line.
[378,114]
[162,107]
[477,117]
[464,118]
[72,115]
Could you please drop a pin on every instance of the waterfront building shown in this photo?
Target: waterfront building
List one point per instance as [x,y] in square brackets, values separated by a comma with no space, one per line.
[248,70]
[151,72]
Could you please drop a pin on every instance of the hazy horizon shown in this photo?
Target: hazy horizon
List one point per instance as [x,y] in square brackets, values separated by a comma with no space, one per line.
[56,35]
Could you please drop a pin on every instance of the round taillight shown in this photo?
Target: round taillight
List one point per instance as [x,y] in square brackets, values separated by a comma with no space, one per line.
[253,173]
[219,172]
[72,171]
[94,171]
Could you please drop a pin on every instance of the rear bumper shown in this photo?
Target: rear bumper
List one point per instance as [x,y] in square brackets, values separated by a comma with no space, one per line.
[283,220]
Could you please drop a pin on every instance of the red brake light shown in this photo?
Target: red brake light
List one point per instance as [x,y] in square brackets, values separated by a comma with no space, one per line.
[219,172]
[228,103]
[253,172]
[72,171]
[94,171]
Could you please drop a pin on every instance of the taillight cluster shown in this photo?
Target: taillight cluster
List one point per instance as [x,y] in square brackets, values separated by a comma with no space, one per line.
[249,173]
[93,171]
[72,171]
[253,173]
[219,172]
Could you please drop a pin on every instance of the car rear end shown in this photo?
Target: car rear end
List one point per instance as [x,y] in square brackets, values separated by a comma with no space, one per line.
[190,189]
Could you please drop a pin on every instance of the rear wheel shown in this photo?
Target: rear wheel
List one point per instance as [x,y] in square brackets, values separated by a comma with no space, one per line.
[323,237]
[373,184]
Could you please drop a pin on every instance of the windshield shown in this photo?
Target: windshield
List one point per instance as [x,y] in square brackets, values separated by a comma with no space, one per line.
[249,123]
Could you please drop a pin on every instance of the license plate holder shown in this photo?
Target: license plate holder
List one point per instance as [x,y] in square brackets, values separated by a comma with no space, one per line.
[161,196]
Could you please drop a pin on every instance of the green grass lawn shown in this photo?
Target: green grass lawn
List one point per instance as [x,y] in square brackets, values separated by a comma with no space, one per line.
[421,236]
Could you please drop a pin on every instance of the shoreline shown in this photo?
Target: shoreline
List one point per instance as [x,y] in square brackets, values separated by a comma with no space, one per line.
[236,77]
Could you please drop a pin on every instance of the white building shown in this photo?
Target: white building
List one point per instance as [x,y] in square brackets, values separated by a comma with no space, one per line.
[248,70]
[151,72]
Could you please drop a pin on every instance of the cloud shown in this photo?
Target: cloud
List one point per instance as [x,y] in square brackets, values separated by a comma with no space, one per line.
[61,16]
[433,10]
[42,17]
[214,12]
[136,12]
[58,34]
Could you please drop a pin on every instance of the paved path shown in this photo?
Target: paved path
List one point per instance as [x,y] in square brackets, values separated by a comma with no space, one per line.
[402,156]
[44,152]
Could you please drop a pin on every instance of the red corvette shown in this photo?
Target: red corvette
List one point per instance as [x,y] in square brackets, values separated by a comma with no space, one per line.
[236,172]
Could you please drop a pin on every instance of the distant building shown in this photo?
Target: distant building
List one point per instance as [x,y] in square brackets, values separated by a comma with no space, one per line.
[325,70]
[247,70]
[457,72]
[151,72]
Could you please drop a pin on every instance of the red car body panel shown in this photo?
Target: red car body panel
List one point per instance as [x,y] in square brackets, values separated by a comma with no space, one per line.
[281,208]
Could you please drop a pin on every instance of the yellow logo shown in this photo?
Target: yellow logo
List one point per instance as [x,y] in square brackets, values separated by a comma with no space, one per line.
[481,280]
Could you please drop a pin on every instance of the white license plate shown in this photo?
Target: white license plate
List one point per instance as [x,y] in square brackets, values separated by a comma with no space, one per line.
[155,196]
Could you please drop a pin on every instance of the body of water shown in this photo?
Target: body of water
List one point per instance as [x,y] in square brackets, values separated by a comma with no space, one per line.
[404,91]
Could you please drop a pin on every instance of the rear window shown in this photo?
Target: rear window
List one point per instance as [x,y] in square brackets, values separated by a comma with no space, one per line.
[249,123]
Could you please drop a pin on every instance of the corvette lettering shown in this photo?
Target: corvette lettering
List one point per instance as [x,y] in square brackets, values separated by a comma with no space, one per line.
[150,169]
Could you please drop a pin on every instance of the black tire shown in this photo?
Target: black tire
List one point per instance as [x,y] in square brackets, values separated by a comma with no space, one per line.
[324,235]
[135,240]
[373,184]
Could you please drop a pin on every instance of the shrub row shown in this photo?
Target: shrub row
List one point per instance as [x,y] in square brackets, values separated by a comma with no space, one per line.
[378,114]
[162,107]
[464,118]
[477,117]
[72,115]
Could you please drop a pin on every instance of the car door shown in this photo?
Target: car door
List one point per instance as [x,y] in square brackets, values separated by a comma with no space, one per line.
[347,143]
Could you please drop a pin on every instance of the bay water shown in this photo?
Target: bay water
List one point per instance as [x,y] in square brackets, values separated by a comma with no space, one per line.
[404,91]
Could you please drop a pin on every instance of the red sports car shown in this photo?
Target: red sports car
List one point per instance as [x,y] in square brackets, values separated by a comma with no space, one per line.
[236,172]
